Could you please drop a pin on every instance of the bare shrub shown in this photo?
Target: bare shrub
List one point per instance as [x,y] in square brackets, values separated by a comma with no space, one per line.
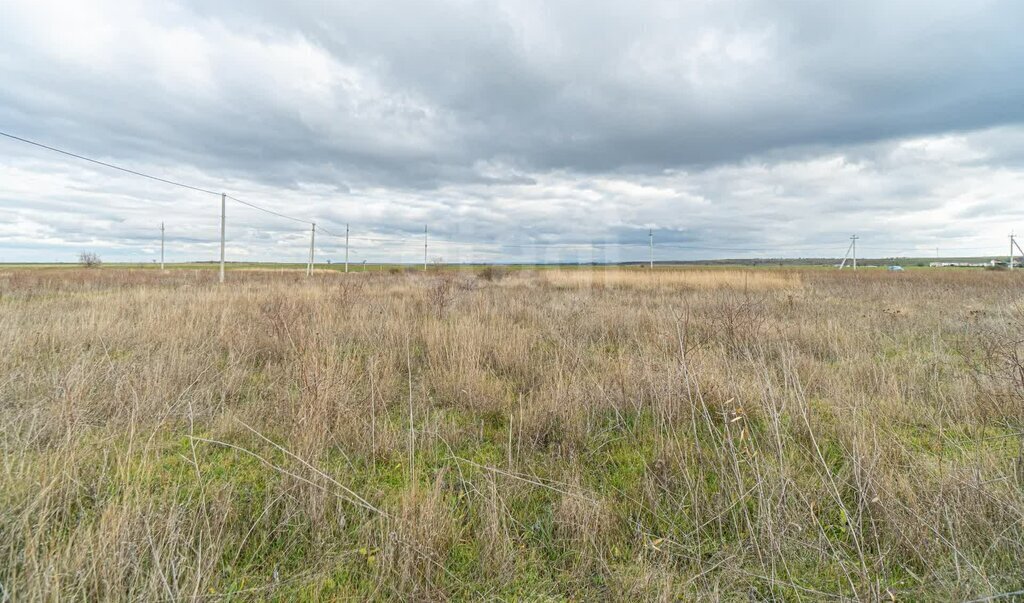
[493,273]
[442,293]
[994,350]
[89,259]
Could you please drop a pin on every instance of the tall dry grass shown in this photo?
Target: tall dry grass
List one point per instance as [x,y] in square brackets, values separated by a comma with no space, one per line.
[618,435]
[707,279]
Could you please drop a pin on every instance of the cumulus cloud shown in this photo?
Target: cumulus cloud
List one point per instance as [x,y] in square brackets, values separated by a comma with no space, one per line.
[517,130]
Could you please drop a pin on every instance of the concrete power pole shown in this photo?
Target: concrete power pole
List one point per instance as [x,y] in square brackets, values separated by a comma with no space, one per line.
[223,215]
[1011,250]
[161,246]
[853,248]
[1014,243]
[346,248]
[650,237]
[312,243]
[424,248]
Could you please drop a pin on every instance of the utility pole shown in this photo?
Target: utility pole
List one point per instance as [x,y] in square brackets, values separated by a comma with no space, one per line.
[846,256]
[161,246]
[1012,243]
[424,248]
[854,246]
[346,248]
[223,215]
[312,242]
[650,237]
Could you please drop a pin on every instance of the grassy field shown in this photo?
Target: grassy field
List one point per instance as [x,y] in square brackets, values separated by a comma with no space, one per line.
[731,264]
[691,434]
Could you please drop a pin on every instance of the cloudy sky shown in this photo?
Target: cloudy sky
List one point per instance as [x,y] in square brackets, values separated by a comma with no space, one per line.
[517,130]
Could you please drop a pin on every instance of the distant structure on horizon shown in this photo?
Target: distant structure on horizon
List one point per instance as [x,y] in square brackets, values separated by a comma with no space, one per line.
[988,264]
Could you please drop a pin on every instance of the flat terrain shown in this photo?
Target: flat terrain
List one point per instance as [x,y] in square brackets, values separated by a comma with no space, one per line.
[588,434]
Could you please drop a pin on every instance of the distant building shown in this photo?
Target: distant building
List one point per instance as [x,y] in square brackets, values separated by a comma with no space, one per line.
[962,264]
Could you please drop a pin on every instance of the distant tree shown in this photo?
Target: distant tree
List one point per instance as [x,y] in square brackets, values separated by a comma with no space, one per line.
[89,259]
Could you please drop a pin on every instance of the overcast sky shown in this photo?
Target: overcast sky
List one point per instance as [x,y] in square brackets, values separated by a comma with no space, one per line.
[518,130]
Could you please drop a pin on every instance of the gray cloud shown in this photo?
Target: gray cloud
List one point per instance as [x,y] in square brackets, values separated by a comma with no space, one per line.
[731,127]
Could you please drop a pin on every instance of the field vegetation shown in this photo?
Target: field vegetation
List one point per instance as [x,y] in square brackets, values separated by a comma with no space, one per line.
[588,434]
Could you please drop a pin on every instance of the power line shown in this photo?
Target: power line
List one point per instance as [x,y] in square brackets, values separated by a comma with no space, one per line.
[105,164]
[805,247]
[808,247]
[501,244]
[149,176]
[944,249]
[270,211]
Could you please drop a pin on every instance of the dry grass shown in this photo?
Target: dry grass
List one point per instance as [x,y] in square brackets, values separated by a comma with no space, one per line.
[705,434]
[708,279]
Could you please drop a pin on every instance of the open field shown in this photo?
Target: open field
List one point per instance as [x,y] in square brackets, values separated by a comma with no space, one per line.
[695,434]
[728,264]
